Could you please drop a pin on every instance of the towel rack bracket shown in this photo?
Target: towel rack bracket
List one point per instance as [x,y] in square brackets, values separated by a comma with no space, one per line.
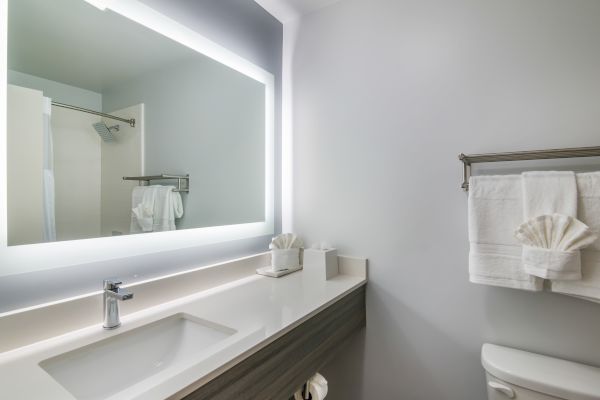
[183,181]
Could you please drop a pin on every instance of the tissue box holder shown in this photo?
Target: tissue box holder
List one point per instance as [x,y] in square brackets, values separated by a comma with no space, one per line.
[321,261]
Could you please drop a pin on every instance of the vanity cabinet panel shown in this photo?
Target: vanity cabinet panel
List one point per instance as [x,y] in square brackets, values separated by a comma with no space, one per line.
[283,366]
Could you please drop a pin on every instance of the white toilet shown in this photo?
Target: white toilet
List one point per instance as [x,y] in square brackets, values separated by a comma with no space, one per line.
[516,374]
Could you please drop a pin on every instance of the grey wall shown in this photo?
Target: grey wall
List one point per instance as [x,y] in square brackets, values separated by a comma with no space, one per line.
[247,29]
[241,26]
[387,94]
[203,119]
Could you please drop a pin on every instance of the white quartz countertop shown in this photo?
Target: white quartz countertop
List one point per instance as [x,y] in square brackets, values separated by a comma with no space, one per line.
[260,309]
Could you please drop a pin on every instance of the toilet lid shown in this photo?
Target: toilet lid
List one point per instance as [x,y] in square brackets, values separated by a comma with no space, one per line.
[542,374]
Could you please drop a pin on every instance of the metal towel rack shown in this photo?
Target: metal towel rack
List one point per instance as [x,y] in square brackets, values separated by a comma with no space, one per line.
[183,181]
[468,159]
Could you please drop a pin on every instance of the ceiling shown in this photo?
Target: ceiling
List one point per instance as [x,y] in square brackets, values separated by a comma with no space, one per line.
[287,10]
[72,42]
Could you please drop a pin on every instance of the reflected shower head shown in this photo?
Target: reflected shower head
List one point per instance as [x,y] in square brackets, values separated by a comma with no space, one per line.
[106,132]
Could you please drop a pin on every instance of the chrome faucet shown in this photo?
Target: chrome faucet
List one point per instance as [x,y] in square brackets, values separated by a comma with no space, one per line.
[112,294]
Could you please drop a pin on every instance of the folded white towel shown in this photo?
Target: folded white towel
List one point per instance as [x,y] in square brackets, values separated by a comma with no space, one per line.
[495,209]
[551,246]
[551,234]
[588,187]
[286,241]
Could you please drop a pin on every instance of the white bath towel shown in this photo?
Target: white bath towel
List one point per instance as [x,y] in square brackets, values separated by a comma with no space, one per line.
[495,209]
[551,235]
[588,187]
[155,208]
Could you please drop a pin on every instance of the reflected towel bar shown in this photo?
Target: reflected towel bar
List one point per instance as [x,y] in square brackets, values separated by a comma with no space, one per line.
[181,187]
[468,159]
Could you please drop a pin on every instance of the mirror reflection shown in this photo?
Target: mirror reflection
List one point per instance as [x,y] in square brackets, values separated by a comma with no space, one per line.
[114,129]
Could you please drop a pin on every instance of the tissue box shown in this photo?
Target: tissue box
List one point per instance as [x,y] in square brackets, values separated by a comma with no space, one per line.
[323,261]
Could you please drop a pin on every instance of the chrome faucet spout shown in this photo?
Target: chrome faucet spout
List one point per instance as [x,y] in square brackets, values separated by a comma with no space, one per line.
[119,294]
[112,294]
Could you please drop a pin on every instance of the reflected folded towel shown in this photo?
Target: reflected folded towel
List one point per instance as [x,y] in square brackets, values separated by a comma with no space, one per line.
[155,208]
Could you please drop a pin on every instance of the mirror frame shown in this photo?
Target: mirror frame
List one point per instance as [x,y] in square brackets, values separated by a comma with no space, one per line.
[43,256]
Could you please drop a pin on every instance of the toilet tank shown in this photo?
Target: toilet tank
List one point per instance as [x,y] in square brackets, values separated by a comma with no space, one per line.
[520,375]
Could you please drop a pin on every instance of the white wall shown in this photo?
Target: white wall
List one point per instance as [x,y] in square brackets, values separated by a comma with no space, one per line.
[76,156]
[24,165]
[92,200]
[386,95]
[77,174]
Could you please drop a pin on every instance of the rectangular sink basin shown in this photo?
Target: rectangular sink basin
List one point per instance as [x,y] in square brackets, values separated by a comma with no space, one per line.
[109,366]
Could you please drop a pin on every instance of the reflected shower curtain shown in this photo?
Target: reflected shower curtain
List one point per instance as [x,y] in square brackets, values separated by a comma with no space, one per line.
[48,174]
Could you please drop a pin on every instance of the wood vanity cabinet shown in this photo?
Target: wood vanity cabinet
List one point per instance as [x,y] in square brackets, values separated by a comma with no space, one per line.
[283,366]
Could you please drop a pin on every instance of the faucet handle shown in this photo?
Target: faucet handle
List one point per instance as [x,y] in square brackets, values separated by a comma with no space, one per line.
[111,284]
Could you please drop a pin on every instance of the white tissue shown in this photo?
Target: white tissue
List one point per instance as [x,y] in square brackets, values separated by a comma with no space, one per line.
[321,246]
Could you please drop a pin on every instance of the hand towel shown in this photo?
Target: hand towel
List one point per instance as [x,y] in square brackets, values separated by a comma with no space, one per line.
[495,209]
[167,208]
[285,251]
[549,192]
[588,287]
[551,235]
[286,241]
[142,211]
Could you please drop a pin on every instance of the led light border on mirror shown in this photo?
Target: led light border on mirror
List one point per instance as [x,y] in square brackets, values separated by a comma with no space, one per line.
[36,257]
[99,4]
